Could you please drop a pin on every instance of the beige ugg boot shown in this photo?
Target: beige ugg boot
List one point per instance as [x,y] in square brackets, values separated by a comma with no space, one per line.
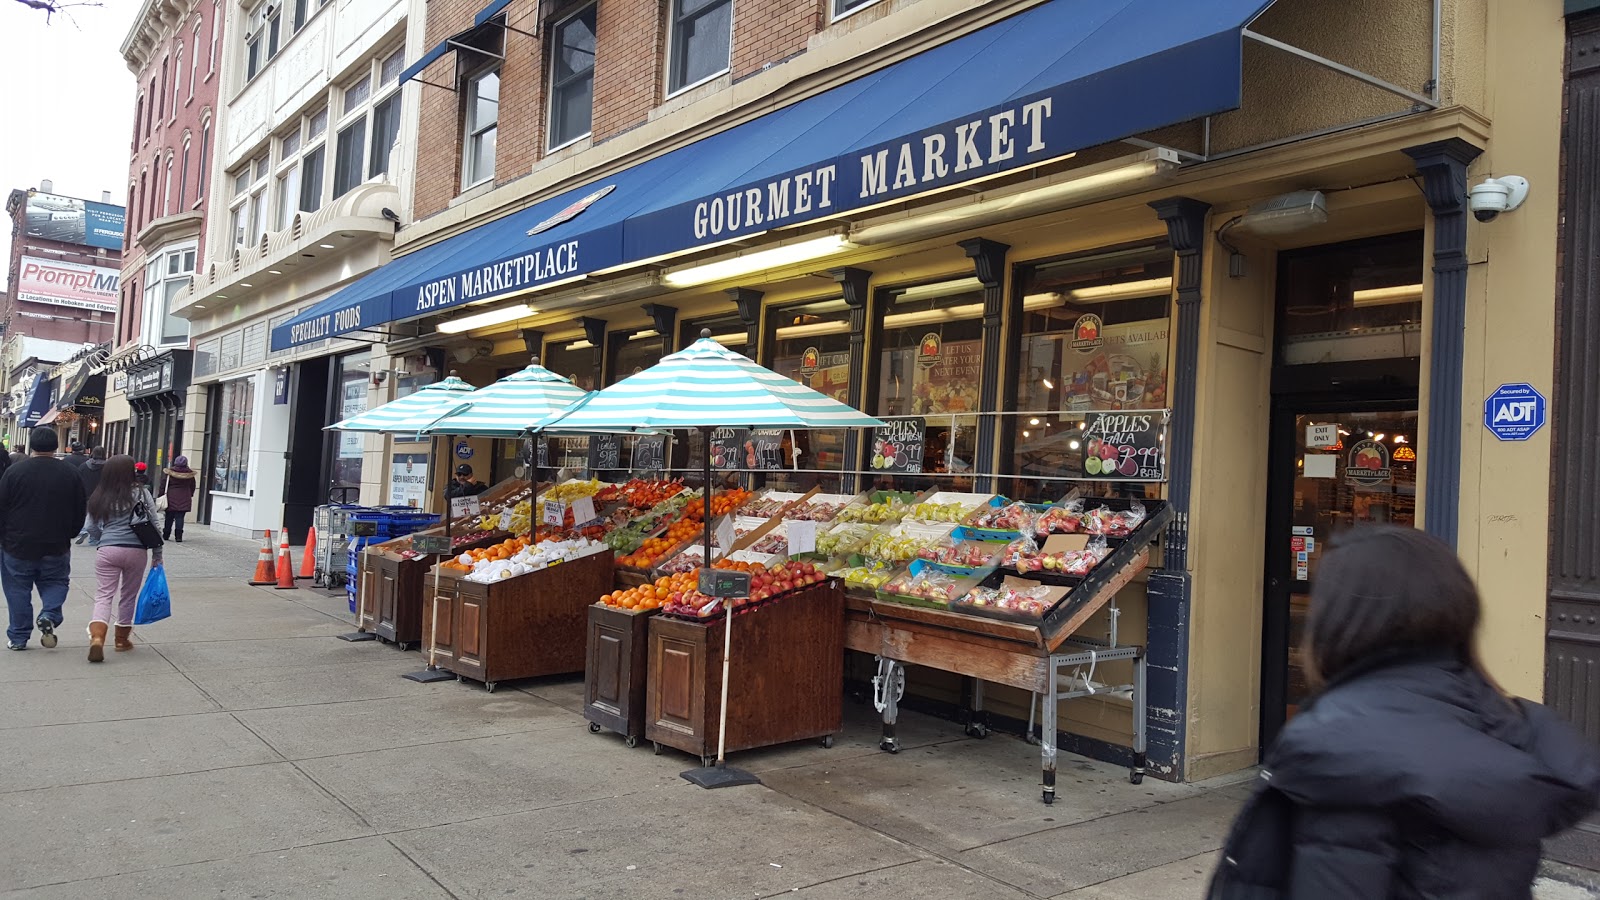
[97,641]
[124,637]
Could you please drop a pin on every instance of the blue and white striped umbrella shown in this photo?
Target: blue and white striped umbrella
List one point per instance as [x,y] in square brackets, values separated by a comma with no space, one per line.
[411,413]
[707,385]
[510,407]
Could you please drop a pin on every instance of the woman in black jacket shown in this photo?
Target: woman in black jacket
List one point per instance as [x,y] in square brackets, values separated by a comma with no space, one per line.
[1410,775]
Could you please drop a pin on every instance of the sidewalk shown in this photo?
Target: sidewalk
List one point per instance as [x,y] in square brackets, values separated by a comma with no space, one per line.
[242,751]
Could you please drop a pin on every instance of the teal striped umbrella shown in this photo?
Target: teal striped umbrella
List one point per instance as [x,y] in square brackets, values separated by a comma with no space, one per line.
[411,413]
[511,407]
[706,385]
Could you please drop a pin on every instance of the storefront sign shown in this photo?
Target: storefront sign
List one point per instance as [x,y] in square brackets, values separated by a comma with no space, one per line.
[728,449]
[408,479]
[605,452]
[1321,436]
[1086,333]
[280,386]
[928,352]
[1368,464]
[1127,369]
[150,380]
[764,449]
[64,283]
[898,446]
[1514,412]
[354,403]
[1126,446]
[810,358]
[463,450]
[650,453]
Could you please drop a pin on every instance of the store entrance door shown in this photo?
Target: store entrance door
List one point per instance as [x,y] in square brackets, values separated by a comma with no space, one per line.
[1334,465]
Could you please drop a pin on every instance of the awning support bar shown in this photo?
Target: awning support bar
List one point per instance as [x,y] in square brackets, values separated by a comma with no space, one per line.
[1357,74]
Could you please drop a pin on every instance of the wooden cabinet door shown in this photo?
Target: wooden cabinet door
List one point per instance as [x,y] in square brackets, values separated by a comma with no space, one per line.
[439,621]
[388,592]
[470,636]
[677,685]
[608,661]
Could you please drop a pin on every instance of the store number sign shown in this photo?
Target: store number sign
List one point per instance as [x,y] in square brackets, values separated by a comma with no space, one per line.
[1128,445]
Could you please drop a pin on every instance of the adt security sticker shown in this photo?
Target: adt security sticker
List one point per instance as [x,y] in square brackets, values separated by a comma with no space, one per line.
[1514,412]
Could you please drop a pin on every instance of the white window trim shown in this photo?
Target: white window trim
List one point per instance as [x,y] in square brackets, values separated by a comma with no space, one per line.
[152,313]
[467,134]
[672,31]
[216,18]
[194,60]
[550,79]
[835,16]
[177,84]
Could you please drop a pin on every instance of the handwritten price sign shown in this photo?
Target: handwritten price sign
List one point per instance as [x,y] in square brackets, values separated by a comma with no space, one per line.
[1126,445]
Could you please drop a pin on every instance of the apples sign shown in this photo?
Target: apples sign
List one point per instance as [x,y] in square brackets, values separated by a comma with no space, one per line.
[1126,445]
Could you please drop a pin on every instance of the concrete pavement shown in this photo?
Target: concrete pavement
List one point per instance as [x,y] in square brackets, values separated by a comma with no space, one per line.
[242,751]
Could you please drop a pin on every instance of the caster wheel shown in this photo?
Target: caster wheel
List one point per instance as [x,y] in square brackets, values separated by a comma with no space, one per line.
[1136,778]
[631,741]
[706,762]
[460,680]
[977,730]
[1049,798]
[889,746]
[827,742]
[656,747]
[594,727]
[489,686]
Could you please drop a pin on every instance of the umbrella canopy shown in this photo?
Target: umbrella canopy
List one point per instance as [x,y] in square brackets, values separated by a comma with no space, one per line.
[708,385]
[510,407]
[411,413]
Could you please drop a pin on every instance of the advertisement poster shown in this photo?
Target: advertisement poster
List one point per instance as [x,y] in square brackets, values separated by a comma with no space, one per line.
[1126,446]
[67,284]
[932,378]
[826,373]
[1115,366]
[408,479]
[52,217]
[899,446]
[354,402]
[1368,465]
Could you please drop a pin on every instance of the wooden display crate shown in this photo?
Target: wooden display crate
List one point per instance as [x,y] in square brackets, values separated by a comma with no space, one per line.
[615,672]
[522,627]
[787,677]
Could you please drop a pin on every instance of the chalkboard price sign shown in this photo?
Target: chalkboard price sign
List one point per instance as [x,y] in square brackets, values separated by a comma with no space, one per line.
[729,449]
[605,452]
[898,446]
[764,449]
[1126,445]
[544,452]
[650,453]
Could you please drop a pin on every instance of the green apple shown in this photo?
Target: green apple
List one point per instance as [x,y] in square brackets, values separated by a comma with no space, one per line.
[1091,464]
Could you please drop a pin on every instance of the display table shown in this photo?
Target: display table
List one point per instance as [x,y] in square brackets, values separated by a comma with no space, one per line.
[787,679]
[616,671]
[522,627]
[394,586]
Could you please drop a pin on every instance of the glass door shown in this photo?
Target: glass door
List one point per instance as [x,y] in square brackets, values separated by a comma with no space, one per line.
[1333,468]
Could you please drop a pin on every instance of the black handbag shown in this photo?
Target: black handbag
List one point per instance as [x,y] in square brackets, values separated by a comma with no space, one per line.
[143,528]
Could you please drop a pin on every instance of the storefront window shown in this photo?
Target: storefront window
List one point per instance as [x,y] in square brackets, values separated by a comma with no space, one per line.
[349,446]
[632,353]
[1356,301]
[1095,336]
[810,343]
[929,367]
[235,408]
[572,359]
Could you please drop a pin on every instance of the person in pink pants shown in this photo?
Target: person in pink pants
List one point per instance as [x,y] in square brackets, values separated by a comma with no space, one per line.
[118,503]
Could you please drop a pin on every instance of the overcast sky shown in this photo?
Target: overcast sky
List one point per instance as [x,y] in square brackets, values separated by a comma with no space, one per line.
[67,100]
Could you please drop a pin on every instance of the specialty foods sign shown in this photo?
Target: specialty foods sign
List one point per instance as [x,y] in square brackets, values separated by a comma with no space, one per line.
[67,284]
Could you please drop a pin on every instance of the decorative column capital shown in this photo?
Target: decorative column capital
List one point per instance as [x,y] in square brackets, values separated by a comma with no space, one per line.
[1443,166]
[853,282]
[1186,223]
[988,259]
[594,329]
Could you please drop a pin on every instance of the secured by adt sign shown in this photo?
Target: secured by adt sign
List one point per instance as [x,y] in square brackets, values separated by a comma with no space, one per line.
[1514,412]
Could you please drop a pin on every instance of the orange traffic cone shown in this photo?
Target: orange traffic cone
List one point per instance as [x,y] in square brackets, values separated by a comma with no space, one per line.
[285,569]
[264,574]
[308,557]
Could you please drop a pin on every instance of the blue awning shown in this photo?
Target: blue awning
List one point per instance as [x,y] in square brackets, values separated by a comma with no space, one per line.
[38,402]
[454,41]
[1050,81]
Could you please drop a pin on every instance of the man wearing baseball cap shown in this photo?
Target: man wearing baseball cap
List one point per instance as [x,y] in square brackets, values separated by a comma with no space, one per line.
[464,485]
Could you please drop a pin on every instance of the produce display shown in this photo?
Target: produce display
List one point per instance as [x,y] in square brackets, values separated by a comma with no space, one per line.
[641,493]
[500,564]
[938,512]
[521,518]
[765,584]
[844,539]
[967,554]
[651,596]
[891,510]
[928,584]
[1074,518]
[689,560]
[471,537]
[1026,557]
[765,507]
[572,490]
[771,543]
[722,503]
[814,512]
[1033,601]
[1011,517]
[871,575]
[654,549]
[896,547]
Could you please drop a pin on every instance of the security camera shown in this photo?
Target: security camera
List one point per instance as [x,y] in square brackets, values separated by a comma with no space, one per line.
[1497,195]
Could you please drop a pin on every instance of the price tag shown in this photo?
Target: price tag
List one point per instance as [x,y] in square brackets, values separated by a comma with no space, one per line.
[465,506]
[430,543]
[802,536]
[555,513]
[583,510]
[505,519]
[723,583]
[724,534]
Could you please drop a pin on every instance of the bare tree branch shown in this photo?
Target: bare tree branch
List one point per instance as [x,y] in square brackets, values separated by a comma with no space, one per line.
[51,7]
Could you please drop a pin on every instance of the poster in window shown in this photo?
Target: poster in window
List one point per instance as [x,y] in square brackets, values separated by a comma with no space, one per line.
[824,372]
[1124,367]
[351,443]
[1126,446]
[408,479]
[728,448]
[932,378]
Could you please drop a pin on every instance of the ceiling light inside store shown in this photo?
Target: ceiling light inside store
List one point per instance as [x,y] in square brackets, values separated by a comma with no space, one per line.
[326,246]
[814,329]
[964,311]
[584,344]
[1073,445]
[757,261]
[732,339]
[1033,421]
[646,333]
[484,319]
[1404,293]
[1048,384]
[940,289]
[1127,290]
[1401,439]
[1080,185]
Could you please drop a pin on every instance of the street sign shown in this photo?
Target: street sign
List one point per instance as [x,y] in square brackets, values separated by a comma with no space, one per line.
[1514,412]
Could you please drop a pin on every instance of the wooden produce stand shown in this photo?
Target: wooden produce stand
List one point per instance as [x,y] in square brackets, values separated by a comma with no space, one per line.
[616,671]
[522,627]
[787,680]
[394,586]
[1035,657]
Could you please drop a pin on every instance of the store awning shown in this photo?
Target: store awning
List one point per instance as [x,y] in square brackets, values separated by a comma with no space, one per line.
[463,39]
[84,389]
[1040,85]
[38,402]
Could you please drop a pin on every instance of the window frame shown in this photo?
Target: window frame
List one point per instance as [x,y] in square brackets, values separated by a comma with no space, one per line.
[471,132]
[177,82]
[183,176]
[838,14]
[194,58]
[675,54]
[556,31]
[166,273]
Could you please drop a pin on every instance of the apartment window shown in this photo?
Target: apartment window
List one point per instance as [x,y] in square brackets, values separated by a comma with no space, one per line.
[177,81]
[482,97]
[166,196]
[248,209]
[165,277]
[150,111]
[299,14]
[356,93]
[138,116]
[200,174]
[211,48]
[194,59]
[842,8]
[702,38]
[138,205]
[183,179]
[261,37]
[385,131]
[163,96]
[288,193]
[572,78]
[349,153]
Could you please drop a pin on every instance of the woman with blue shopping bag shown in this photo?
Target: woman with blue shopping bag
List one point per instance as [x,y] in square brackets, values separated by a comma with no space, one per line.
[122,522]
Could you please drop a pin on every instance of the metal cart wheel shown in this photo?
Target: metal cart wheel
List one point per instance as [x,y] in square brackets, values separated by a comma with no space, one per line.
[594,727]
[631,741]
[827,742]
[1049,798]
[977,730]
[657,746]
[489,686]
[1136,777]
[889,746]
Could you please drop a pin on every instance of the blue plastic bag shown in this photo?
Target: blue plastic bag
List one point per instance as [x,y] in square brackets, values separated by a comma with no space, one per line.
[155,601]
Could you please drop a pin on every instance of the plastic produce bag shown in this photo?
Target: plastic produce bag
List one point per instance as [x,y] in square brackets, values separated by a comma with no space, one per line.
[155,601]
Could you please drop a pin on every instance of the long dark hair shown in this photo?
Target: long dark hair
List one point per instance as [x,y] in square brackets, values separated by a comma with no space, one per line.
[113,497]
[1386,589]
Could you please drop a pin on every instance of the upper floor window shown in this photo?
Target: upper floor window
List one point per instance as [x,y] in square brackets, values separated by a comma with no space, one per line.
[482,98]
[842,8]
[183,178]
[177,81]
[211,48]
[300,173]
[261,37]
[166,275]
[163,96]
[150,111]
[138,118]
[572,78]
[369,124]
[166,196]
[701,42]
[248,209]
[200,169]
[194,59]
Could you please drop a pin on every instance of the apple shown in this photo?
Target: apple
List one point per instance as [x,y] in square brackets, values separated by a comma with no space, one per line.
[1091,464]
[1129,467]
[1108,452]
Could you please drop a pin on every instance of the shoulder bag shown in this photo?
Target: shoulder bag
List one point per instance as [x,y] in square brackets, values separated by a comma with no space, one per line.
[143,528]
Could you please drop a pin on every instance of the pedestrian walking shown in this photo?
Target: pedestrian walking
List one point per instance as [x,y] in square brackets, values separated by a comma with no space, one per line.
[179,496]
[119,510]
[42,506]
[77,456]
[141,473]
[90,473]
[1410,774]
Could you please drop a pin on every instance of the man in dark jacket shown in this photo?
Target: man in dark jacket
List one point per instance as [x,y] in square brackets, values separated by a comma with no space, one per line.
[90,473]
[42,505]
[77,456]
[464,484]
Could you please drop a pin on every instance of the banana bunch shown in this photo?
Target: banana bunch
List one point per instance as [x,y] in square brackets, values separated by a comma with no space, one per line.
[572,490]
